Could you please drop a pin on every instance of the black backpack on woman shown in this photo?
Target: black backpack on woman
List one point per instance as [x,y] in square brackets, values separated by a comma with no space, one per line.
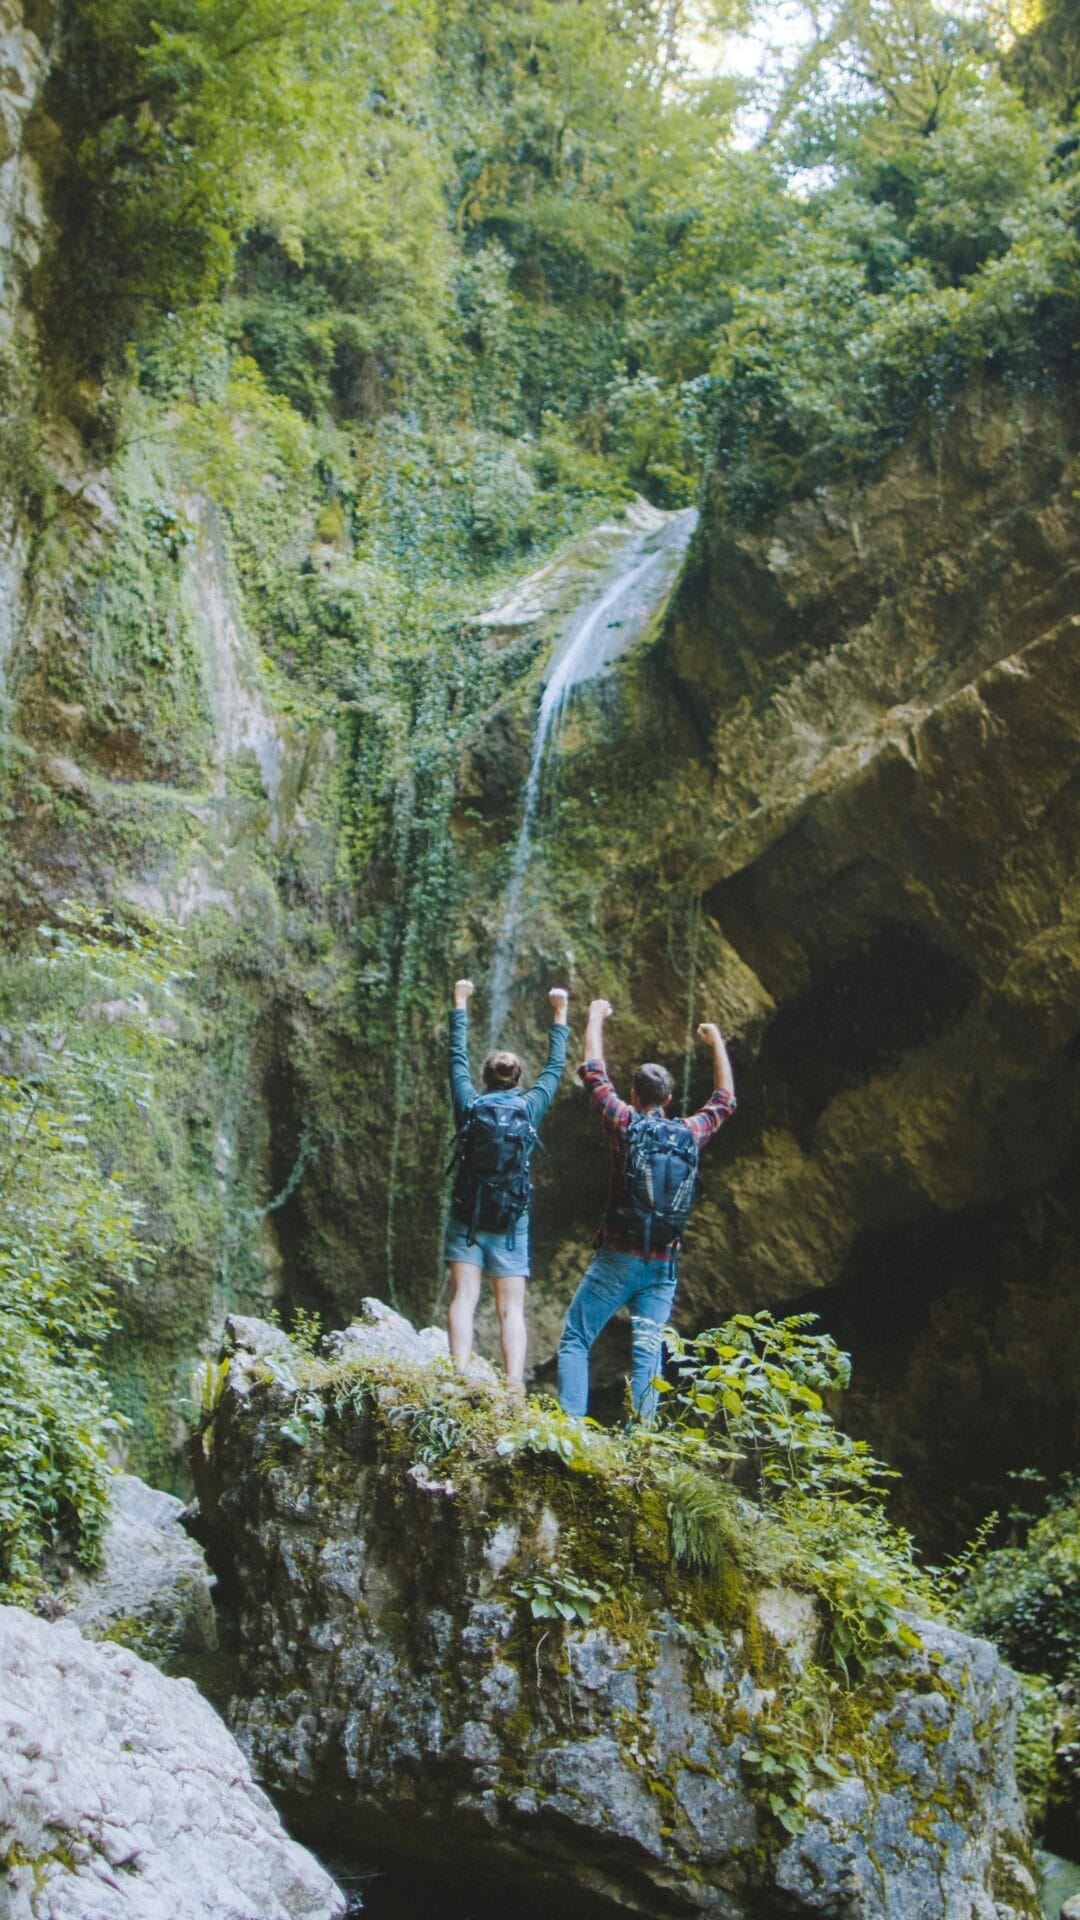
[493,1189]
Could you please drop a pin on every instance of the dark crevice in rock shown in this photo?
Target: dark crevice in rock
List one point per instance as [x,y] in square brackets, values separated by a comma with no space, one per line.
[837,903]
[965,1345]
[887,996]
[413,1871]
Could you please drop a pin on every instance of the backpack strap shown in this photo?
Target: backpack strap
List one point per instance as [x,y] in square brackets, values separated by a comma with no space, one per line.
[470,1237]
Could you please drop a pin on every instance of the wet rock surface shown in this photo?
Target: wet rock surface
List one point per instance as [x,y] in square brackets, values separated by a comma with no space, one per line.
[394,1686]
[124,1797]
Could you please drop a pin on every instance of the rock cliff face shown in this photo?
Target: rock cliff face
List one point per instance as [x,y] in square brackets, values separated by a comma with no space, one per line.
[21,226]
[149,768]
[862,856]
[397,1686]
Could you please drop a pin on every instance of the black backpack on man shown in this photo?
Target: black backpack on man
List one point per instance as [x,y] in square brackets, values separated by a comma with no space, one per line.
[661,1178]
[493,1188]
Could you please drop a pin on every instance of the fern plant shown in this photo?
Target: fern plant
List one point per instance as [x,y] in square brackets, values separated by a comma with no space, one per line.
[702,1518]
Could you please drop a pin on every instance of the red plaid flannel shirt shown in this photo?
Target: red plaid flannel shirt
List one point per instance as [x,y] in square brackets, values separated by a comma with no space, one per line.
[616,1116]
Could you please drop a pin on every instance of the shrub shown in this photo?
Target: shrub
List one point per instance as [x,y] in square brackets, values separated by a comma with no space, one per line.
[748,1406]
[80,1038]
[1026,1598]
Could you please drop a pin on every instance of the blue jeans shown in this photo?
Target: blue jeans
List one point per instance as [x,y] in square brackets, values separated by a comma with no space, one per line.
[615,1280]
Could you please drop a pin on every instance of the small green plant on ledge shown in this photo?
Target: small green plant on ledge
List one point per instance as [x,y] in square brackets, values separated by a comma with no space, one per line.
[757,1383]
[581,1445]
[434,1432]
[558,1594]
[207,1387]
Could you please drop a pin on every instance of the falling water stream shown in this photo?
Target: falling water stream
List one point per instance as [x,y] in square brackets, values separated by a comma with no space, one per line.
[630,595]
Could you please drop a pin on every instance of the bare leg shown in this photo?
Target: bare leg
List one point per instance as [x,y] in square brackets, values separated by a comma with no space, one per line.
[464,1293]
[510,1306]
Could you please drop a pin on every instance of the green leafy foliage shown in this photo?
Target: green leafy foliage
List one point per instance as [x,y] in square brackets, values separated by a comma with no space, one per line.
[558,1594]
[297,1425]
[786,1778]
[82,1024]
[749,1406]
[907,224]
[702,1515]
[1025,1596]
[306,1330]
[759,1382]
[1036,1743]
[133,652]
[183,124]
[1023,1593]
[545,1428]
[435,1432]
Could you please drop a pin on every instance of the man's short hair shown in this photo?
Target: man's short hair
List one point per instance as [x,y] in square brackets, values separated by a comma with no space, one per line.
[500,1070]
[653,1084]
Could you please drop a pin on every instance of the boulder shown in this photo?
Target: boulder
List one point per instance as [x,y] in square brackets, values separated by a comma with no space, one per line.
[380,1332]
[462,1637]
[153,1591]
[123,1796]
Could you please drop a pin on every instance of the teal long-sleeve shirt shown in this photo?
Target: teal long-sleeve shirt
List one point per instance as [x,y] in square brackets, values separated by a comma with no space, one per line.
[538,1098]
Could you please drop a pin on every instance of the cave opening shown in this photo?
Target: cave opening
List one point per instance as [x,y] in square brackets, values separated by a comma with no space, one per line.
[860,1015]
[965,1346]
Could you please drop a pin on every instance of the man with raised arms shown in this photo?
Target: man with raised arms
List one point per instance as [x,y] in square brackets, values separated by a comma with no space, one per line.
[653,1180]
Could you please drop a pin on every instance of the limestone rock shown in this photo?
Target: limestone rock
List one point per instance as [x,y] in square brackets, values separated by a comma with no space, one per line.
[244,1334]
[21,218]
[153,1591]
[124,1797]
[395,1685]
[66,778]
[380,1333]
[873,699]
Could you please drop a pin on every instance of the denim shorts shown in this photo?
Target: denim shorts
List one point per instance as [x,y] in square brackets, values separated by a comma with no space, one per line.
[488,1250]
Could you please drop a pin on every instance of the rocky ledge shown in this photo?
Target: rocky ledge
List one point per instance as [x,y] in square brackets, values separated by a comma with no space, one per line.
[466,1632]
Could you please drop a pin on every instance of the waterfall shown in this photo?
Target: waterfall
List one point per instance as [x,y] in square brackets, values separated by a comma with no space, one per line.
[594,634]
